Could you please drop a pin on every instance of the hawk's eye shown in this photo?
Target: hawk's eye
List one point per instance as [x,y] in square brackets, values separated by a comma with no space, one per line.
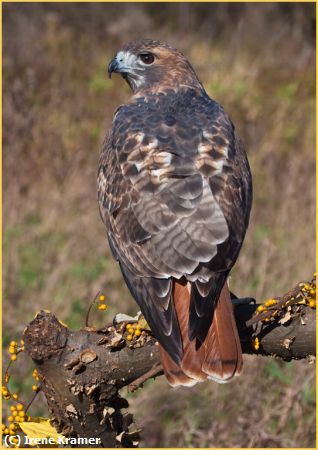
[147,58]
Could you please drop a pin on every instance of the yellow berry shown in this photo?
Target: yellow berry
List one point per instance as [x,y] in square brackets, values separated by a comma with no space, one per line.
[13,344]
[129,337]
[3,427]
[18,419]
[270,302]
[12,426]
[312,303]
[102,307]
[12,432]
[261,308]
[137,332]
[256,343]
[15,413]
[20,407]
[6,431]
[10,419]
[13,408]
[15,396]
[12,350]
[35,388]
[102,298]
[21,413]
[13,357]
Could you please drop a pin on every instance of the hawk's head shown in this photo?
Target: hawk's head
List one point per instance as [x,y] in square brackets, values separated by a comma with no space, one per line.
[148,64]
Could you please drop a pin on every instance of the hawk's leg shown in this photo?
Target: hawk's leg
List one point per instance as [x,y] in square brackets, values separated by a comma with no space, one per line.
[241,301]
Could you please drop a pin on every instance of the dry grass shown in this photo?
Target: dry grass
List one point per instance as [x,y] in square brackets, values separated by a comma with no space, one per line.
[258,61]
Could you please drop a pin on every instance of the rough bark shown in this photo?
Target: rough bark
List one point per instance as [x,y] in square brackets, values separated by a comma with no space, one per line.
[83,371]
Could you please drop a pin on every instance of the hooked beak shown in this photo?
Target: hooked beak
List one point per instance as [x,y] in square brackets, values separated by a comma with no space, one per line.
[113,67]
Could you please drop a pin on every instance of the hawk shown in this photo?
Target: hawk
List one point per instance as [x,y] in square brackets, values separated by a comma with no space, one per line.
[175,193]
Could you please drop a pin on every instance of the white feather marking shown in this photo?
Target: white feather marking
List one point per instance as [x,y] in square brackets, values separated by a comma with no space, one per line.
[139,137]
[153,144]
[127,60]
[221,380]
[189,383]
[157,172]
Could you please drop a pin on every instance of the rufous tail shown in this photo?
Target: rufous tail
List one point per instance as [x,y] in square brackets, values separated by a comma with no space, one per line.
[218,357]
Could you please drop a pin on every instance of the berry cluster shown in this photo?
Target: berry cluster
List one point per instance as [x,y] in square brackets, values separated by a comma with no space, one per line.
[18,415]
[15,348]
[102,306]
[133,330]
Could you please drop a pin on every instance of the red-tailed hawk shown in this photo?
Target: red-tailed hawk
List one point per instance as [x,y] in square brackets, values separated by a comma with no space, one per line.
[175,192]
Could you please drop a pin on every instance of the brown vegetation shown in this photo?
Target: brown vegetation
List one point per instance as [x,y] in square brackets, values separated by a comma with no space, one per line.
[258,60]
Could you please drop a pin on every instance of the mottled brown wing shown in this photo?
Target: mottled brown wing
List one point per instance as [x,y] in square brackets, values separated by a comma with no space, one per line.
[163,195]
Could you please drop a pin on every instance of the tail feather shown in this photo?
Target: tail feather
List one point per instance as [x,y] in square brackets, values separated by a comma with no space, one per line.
[173,372]
[223,357]
[218,357]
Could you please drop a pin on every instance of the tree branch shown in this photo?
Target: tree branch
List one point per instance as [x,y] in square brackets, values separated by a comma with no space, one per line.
[83,371]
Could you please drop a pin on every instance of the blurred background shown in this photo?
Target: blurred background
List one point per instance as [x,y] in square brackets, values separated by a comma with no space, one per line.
[258,61]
